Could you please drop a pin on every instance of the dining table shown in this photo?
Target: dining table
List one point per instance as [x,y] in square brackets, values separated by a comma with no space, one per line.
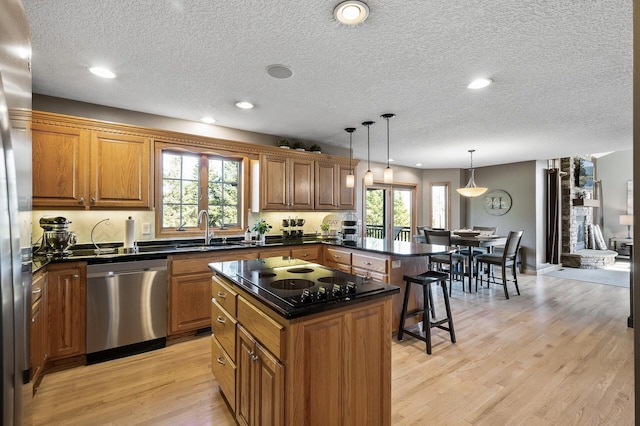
[479,241]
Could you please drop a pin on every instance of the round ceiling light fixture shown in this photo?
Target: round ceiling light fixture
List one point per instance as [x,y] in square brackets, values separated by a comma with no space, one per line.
[479,83]
[351,12]
[208,120]
[244,105]
[102,72]
[279,71]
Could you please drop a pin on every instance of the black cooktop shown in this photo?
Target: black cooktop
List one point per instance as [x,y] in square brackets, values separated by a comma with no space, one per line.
[295,285]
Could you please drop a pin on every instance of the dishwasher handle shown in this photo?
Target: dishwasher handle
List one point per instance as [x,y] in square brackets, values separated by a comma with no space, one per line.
[119,273]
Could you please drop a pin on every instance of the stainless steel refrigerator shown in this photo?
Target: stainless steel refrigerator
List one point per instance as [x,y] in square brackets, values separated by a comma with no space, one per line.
[15,211]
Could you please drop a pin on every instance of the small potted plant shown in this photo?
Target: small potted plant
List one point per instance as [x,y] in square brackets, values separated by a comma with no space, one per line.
[315,148]
[261,228]
[325,228]
[283,143]
[298,145]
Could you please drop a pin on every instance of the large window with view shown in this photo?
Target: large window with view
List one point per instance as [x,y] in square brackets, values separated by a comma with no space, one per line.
[191,182]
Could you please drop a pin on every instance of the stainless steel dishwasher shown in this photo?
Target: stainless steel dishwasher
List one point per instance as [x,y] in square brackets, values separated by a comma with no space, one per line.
[126,308]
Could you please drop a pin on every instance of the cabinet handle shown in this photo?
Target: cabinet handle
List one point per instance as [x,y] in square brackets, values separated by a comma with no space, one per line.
[222,295]
[33,320]
[367,263]
[336,256]
[93,200]
[81,201]
[220,360]
[305,255]
[254,358]
[221,320]
[36,291]
[75,276]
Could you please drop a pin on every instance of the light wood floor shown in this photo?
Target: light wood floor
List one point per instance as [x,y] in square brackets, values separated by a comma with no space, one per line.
[559,354]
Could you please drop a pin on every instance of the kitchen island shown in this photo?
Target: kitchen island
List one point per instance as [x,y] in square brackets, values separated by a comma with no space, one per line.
[297,343]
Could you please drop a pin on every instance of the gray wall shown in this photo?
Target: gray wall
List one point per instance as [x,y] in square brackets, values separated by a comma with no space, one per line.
[614,170]
[522,182]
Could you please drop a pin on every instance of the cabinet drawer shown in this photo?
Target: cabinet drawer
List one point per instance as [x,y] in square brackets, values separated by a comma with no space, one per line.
[224,295]
[338,256]
[310,254]
[377,276]
[268,332]
[224,371]
[189,264]
[369,262]
[278,252]
[37,287]
[339,266]
[223,328]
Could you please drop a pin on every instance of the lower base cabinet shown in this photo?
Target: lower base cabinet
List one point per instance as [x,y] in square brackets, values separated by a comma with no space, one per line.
[330,368]
[260,384]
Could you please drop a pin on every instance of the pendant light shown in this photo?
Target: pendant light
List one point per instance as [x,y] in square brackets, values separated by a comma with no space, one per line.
[368,176]
[351,178]
[388,172]
[471,190]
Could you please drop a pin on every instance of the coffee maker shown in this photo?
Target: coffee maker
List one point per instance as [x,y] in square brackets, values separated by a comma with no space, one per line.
[56,238]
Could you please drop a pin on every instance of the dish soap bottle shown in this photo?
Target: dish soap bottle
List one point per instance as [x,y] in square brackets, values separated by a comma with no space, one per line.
[247,235]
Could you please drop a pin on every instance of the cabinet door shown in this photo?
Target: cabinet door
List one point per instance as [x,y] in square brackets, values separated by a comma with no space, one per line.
[301,184]
[60,166]
[268,389]
[274,188]
[325,179]
[37,336]
[259,385]
[67,310]
[346,196]
[189,303]
[120,171]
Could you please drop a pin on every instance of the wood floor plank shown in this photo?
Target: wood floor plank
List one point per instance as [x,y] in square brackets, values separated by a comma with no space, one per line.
[559,354]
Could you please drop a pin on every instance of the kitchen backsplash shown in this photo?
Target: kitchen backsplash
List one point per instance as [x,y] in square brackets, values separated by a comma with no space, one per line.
[113,230]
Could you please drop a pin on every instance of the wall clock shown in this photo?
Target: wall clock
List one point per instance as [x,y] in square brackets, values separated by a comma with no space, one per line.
[497,202]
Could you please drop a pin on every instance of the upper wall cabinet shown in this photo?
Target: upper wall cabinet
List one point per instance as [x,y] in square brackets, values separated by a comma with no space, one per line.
[83,167]
[286,183]
[331,192]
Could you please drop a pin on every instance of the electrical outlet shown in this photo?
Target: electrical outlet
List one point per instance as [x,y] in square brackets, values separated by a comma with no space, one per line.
[146,228]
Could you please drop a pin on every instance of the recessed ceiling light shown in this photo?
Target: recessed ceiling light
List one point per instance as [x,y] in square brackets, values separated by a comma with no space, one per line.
[244,105]
[351,12]
[479,83]
[279,71]
[391,160]
[102,72]
[208,120]
[418,164]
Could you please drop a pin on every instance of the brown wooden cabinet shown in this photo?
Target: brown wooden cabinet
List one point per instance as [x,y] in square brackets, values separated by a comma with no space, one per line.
[77,164]
[331,191]
[260,384]
[39,351]
[60,166]
[66,307]
[328,368]
[189,279]
[286,183]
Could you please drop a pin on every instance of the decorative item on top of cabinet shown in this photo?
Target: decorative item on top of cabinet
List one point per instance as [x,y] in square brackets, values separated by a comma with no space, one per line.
[82,166]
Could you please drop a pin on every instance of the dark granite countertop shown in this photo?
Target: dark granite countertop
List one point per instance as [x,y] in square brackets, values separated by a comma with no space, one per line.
[158,249]
[232,269]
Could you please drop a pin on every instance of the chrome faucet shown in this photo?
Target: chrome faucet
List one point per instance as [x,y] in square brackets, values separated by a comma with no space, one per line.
[207,237]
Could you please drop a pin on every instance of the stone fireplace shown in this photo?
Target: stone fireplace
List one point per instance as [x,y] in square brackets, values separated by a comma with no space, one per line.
[577,218]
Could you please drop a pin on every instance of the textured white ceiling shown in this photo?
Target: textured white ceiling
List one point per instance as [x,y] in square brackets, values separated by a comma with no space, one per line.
[562,71]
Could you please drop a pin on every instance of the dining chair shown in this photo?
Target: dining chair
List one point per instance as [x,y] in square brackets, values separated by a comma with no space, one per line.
[455,261]
[506,259]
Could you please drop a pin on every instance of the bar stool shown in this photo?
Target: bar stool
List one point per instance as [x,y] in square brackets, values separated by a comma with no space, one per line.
[425,280]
